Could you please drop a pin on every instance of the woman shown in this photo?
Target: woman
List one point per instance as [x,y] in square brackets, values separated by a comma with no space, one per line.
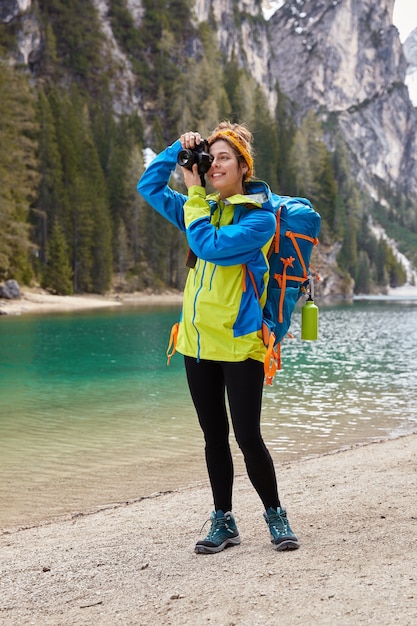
[220,331]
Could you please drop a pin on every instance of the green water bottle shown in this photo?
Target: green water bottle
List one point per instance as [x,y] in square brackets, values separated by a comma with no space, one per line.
[309,321]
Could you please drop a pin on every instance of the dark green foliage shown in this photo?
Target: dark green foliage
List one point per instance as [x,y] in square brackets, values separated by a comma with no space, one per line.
[50,201]
[18,173]
[363,277]
[286,127]
[73,191]
[233,75]
[58,273]
[371,262]
[76,41]
[157,47]
[266,143]
[7,37]
[348,257]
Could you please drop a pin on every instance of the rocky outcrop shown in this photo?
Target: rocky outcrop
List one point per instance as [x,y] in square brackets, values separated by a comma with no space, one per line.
[244,39]
[345,60]
[9,9]
[125,95]
[10,290]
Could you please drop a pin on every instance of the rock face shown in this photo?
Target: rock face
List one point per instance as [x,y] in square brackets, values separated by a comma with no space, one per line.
[9,9]
[347,62]
[245,39]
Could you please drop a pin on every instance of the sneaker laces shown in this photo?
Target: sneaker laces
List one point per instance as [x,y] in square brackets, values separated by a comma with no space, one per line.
[279,521]
[215,523]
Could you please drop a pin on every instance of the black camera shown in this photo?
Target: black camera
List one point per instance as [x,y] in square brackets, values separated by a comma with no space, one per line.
[200,155]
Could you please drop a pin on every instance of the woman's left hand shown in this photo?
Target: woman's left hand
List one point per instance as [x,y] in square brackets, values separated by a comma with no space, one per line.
[190,140]
[191,177]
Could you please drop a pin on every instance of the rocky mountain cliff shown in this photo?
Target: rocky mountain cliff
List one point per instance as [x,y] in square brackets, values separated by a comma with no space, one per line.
[342,59]
[347,63]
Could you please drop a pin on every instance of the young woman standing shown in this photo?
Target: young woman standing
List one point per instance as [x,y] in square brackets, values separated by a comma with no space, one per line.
[220,331]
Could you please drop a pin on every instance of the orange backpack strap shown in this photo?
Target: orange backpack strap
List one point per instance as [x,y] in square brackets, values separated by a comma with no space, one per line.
[272,361]
[274,247]
[283,283]
[172,342]
[294,237]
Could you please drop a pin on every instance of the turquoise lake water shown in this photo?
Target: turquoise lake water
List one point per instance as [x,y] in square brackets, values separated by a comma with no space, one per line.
[91,415]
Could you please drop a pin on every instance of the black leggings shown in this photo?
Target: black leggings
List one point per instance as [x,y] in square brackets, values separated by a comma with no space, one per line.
[243,382]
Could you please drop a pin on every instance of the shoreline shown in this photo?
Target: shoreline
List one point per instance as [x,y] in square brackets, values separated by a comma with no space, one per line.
[39,301]
[199,481]
[133,562]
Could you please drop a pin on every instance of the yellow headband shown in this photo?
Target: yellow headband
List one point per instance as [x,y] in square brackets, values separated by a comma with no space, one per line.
[234,139]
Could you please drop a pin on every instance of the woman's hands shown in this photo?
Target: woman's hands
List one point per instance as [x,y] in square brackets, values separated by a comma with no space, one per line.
[189,140]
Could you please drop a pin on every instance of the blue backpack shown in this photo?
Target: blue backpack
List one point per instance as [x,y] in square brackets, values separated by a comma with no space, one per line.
[298,226]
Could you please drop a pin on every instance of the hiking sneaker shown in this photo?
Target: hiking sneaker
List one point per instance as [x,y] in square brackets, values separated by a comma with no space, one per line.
[282,536]
[222,534]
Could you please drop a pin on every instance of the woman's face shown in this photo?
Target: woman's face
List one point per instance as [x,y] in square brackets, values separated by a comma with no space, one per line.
[226,172]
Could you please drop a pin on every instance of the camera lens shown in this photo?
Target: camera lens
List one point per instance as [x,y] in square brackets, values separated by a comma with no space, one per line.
[185,158]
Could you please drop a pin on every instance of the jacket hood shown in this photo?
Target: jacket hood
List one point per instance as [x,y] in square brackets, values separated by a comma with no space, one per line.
[258,196]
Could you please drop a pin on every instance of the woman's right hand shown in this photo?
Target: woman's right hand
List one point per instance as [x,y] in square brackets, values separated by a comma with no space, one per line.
[189,140]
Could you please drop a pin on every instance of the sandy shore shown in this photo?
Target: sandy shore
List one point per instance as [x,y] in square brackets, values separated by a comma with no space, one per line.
[39,301]
[355,513]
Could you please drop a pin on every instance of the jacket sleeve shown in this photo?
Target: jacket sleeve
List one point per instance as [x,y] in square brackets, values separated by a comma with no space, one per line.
[153,186]
[228,245]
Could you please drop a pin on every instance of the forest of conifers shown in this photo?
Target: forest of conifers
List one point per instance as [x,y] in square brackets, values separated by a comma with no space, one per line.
[71,218]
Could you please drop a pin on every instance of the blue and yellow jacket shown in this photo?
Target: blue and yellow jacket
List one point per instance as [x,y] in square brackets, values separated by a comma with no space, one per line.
[221,317]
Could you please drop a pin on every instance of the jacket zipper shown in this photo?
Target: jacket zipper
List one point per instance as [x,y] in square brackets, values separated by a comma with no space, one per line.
[213,208]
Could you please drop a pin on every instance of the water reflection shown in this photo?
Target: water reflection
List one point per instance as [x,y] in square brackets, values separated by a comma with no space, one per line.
[356,382]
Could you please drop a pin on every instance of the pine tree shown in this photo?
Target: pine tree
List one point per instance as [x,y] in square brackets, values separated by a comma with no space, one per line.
[363,275]
[18,172]
[134,210]
[77,39]
[266,144]
[48,64]
[300,165]
[286,129]
[395,270]
[327,193]
[348,256]
[58,273]
[50,198]
[86,218]
[381,263]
